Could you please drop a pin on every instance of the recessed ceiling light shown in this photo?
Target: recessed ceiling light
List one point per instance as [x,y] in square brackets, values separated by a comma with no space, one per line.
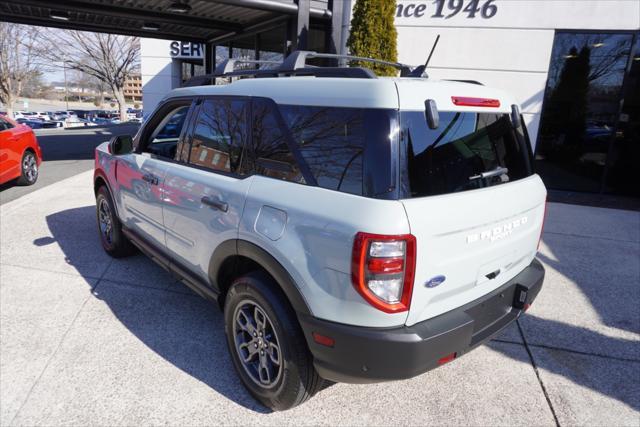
[150,26]
[179,7]
[59,14]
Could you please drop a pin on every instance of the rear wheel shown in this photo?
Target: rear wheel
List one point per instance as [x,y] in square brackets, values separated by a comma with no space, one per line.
[112,238]
[267,346]
[28,169]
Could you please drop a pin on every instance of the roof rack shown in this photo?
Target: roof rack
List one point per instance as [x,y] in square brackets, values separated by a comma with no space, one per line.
[228,65]
[298,60]
[296,65]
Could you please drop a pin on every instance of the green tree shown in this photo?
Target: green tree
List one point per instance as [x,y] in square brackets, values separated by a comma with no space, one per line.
[373,33]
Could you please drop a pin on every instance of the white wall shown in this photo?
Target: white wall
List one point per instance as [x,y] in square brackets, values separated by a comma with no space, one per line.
[158,75]
[510,50]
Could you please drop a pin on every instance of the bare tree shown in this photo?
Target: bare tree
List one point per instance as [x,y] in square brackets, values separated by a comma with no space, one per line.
[109,58]
[18,62]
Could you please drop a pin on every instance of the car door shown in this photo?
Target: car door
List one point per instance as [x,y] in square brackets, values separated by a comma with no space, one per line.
[204,192]
[5,138]
[11,149]
[140,174]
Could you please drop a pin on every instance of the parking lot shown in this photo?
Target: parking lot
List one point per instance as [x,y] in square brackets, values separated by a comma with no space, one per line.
[65,153]
[87,339]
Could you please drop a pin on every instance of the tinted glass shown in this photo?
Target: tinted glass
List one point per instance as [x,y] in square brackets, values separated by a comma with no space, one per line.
[163,140]
[331,141]
[170,128]
[219,135]
[467,151]
[622,176]
[4,125]
[581,111]
[270,154]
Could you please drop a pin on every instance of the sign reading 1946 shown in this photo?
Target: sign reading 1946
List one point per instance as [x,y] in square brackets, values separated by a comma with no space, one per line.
[448,9]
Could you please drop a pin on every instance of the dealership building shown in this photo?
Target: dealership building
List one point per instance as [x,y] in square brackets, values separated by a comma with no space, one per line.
[574,67]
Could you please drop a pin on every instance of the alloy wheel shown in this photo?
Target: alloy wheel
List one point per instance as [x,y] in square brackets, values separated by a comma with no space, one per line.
[257,344]
[30,167]
[105,220]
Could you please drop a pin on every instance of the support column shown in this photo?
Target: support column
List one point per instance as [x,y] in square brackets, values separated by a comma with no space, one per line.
[334,32]
[209,58]
[299,39]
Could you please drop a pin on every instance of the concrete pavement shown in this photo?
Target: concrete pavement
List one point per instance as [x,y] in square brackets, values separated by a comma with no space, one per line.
[86,339]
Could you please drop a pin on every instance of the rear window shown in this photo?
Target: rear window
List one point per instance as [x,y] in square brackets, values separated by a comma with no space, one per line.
[466,152]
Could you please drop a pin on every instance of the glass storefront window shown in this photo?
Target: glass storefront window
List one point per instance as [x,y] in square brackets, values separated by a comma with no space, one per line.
[191,69]
[580,118]
[622,171]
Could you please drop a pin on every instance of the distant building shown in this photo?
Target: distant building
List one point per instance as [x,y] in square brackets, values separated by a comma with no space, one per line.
[133,88]
[73,89]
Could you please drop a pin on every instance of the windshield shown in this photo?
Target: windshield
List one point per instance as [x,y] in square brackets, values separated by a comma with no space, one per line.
[467,151]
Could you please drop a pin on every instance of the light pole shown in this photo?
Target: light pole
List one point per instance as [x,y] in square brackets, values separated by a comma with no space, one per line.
[66,92]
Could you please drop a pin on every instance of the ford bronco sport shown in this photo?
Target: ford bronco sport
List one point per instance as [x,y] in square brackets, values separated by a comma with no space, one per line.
[352,228]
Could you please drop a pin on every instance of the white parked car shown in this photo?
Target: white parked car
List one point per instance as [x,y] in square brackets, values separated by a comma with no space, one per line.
[352,228]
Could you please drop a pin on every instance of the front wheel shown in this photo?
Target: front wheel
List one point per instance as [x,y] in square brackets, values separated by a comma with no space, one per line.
[113,240]
[267,346]
[28,169]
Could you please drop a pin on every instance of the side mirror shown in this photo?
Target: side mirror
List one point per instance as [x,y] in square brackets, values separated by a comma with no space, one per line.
[431,113]
[515,116]
[121,144]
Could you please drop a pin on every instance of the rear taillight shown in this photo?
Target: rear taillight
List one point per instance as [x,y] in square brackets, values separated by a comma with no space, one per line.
[383,268]
[466,101]
[544,217]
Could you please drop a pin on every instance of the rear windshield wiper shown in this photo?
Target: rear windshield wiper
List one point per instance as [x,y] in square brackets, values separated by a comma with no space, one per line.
[499,171]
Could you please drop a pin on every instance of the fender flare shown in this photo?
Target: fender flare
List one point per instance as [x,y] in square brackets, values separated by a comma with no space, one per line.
[260,256]
[99,173]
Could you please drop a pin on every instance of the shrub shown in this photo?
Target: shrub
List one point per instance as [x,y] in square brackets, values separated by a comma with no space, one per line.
[373,33]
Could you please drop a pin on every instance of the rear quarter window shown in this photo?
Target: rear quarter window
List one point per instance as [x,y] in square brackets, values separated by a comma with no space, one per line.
[467,151]
[346,149]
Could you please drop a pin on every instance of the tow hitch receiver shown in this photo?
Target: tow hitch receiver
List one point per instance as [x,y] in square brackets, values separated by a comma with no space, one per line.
[520,297]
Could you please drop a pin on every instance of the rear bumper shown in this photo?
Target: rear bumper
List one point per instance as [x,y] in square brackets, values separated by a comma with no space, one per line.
[367,355]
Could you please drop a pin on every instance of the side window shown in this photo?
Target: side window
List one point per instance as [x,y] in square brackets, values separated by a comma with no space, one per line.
[331,140]
[219,135]
[270,154]
[163,140]
[5,125]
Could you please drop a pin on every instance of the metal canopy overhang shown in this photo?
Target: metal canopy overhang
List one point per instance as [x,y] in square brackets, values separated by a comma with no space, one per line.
[207,20]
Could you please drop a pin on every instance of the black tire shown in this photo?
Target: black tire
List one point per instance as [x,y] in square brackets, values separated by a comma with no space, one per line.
[28,168]
[297,379]
[114,242]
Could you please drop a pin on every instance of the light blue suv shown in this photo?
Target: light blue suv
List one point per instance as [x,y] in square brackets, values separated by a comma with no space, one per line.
[352,228]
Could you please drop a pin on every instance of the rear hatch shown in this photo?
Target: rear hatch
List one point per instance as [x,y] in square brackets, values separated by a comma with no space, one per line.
[473,203]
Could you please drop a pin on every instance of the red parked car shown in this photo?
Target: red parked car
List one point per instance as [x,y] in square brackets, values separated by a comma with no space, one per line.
[20,154]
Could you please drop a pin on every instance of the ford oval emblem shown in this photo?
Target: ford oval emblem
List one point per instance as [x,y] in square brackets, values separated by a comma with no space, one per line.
[435,281]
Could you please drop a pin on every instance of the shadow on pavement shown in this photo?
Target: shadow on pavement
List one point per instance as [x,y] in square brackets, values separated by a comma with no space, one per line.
[606,274]
[181,327]
[614,378]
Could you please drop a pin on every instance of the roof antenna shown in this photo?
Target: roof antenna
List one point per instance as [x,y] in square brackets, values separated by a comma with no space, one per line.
[420,71]
[433,48]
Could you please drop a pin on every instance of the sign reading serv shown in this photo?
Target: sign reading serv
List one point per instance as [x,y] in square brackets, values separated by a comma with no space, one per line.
[446,9]
[179,49]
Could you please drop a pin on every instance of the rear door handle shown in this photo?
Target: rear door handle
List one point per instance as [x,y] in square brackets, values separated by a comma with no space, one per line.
[151,179]
[216,204]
